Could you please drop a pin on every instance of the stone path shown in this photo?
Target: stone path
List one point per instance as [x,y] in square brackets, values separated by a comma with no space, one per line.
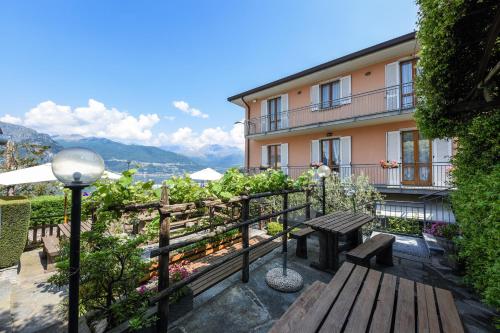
[27,302]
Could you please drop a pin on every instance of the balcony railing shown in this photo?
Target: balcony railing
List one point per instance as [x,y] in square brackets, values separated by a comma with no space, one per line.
[391,99]
[419,175]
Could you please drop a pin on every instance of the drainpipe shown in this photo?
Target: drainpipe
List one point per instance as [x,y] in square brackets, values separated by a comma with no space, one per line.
[247,141]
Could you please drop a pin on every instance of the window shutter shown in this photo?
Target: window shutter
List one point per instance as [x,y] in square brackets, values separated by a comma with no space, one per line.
[441,155]
[284,158]
[263,157]
[345,157]
[315,158]
[393,151]
[284,111]
[314,94]
[263,116]
[345,90]
[392,86]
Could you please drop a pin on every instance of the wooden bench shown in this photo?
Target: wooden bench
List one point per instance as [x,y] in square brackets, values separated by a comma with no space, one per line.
[222,272]
[301,237]
[359,299]
[298,309]
[379,245]
[51,249]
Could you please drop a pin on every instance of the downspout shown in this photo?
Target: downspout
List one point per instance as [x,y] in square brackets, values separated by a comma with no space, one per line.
[247,141]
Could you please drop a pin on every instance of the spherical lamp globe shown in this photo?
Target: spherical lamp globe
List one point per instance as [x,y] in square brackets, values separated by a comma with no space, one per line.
[77,166]
[324,171]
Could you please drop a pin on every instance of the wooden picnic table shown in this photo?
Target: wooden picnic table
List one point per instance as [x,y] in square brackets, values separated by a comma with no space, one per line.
[359,299]
[332,226]
[65,228]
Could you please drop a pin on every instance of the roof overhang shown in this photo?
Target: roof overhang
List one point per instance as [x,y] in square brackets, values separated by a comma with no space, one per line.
[405,44]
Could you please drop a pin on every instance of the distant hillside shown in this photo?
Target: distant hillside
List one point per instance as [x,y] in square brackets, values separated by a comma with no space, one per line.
[153,163]
[21,134]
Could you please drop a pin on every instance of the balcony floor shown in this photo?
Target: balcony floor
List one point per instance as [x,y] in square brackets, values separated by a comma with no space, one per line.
[232,306]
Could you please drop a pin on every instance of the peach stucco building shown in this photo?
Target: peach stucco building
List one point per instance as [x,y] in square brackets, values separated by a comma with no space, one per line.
[349,113]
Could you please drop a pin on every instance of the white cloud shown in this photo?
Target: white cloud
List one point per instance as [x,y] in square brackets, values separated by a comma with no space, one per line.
[11,119]
[169,118]
[184,107]
[92,120]
[194,142]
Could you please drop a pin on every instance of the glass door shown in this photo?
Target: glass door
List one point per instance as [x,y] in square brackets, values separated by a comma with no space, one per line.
[407,94]
[417,154]
[274,113]
[330,153]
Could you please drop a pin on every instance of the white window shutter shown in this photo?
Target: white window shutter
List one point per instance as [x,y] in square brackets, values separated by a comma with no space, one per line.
[393,151]
[315,158]
[314,94]
[263,157]
[284,158]
[441,156]
[392,86]
[263,115]
[345,90]
[345,157]
[284,111]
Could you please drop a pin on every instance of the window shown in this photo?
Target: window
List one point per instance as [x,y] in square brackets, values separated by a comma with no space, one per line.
[407,71]
[416,150]
[274,113]
[274,156]
[330,153]
[330,94]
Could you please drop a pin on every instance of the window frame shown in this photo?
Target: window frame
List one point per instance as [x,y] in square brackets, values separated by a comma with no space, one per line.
[331,165]
[331,101]
[276,148]
[274,123]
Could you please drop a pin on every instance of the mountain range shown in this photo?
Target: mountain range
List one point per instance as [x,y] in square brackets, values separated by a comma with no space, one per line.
[152,162]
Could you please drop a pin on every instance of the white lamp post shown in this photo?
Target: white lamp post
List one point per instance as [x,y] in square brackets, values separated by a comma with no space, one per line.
[323,172]
[76,168]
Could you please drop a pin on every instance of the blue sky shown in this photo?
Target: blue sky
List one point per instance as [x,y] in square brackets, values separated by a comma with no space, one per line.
[137,58]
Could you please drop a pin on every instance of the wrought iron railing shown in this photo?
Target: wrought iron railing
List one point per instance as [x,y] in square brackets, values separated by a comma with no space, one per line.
[391,99]
[432,175]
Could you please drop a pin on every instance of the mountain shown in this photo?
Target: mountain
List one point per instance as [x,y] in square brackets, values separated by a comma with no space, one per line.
[218,157]
[152,162]
[21,134]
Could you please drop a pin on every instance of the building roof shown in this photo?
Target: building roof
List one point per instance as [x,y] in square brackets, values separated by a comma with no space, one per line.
[372,49]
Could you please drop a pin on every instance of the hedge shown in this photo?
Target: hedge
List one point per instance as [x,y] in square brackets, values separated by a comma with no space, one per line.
[14,222]
[43,207]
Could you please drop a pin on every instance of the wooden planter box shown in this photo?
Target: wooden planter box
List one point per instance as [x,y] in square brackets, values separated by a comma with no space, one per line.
[206,249]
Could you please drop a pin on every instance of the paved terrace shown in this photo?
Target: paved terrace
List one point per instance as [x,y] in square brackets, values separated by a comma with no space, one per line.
[29,304]
[233,306]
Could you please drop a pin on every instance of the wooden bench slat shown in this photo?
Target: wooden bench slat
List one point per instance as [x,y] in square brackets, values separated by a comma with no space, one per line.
[320,308]
[340,310]
[371,245]
[405,308]
[298,309]
[360,315]
[427,321]
[448,312]
[384,306]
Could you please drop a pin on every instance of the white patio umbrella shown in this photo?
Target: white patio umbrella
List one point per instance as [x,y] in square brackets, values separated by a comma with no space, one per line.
[38,174]
[206,175]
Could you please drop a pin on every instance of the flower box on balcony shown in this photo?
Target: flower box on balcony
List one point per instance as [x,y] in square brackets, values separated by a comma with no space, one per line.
[389,164]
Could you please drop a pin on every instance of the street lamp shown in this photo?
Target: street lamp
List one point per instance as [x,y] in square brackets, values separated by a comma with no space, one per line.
[323,172]
[76,168]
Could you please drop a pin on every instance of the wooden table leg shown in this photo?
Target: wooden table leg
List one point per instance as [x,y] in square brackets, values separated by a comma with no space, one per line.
[324,252]
[355,238]
[333,242]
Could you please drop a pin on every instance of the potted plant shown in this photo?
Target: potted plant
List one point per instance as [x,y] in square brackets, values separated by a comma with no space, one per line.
[315,165]
[386,164]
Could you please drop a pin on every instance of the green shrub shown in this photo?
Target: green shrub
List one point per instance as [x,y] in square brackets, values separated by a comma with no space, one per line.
[274,228]
[48,205]
[403,225]
[14,223]
[477,209]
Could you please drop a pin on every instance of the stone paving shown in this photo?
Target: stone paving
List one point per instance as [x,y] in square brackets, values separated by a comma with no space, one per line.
[27,302]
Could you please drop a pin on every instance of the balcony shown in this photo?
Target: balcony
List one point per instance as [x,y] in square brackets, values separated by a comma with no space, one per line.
[419,178]
[391,101]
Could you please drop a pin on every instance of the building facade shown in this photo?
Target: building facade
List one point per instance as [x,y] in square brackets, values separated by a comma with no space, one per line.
[354,114]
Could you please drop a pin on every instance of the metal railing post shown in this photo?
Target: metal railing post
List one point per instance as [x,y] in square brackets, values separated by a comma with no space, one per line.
[245,271]
[163,263]
[285,235]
